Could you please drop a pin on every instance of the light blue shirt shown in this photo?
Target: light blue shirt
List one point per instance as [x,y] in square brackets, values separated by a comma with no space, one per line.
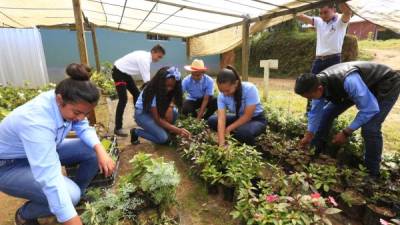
[198,89]
[359,93]
[33,131]
[139,102]
[249,97]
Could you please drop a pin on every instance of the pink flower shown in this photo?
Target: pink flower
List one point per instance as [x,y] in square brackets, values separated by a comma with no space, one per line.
[315,195]
[271,198]
[332,201]
[383,222]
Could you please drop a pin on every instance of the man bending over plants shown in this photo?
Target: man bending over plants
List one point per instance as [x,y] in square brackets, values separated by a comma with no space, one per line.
[373,88]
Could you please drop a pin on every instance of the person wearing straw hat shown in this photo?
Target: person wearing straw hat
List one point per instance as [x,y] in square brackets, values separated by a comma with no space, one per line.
[199,87]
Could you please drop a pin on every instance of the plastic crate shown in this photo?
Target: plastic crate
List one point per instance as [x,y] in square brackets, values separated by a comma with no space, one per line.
[100,180]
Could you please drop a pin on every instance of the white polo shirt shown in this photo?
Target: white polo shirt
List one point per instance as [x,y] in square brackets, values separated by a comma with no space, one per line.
[330,36]
[135,63]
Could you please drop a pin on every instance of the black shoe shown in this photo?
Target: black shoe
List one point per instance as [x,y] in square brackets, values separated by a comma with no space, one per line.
[20,221]
[134,137]
[120,132]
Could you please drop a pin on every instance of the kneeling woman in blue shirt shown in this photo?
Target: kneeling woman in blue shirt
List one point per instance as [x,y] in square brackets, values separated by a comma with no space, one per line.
[246,119]
[154,110]
[33,148]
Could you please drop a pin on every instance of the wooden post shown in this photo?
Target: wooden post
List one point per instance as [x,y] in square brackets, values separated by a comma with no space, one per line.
[245,49]
[80,32]
[95,48]
[188,58]
[268,64]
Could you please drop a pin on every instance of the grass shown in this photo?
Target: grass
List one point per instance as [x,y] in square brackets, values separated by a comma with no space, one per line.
[281,95]
[365,55]
[379,44]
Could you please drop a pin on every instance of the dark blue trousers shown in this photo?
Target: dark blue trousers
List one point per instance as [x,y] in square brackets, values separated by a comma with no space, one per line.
[371,131]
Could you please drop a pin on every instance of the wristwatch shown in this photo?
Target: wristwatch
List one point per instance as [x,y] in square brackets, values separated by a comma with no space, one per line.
[346,133]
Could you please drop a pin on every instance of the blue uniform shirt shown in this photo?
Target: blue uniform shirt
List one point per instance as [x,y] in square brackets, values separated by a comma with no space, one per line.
[139,102]
[198,89]
[33,131]
[249,97]
[359,93]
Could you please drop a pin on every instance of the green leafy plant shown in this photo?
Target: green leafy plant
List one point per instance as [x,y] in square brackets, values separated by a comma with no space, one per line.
[104,81]
[322,176]
[154,176]
[12,97]
[112,207]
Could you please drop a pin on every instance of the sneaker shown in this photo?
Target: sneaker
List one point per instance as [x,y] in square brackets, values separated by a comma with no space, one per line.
[121,133]
[20,221]
[134,137]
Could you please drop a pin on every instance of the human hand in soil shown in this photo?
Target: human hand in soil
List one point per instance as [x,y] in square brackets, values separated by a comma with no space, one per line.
[74,221]
[184,133]
[339,139]
[306,140]
[106,163]
[228,131]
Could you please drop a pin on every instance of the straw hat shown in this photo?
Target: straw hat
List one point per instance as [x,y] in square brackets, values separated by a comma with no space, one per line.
[197,65]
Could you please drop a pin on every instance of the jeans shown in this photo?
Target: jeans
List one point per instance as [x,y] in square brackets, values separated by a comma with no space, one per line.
[319,65]
[190,107]
[370,131]
[123,82]
[150,130]
[16,178]
[245,133]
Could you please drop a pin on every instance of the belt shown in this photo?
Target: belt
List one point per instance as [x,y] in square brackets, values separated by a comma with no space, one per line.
[324,57]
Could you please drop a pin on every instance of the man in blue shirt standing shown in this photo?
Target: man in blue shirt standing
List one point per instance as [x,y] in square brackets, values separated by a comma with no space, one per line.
[200,90]
[373,88]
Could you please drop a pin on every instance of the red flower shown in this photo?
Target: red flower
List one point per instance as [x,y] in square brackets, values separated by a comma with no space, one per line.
[315,195]
[383,222]
[271,198]
[332,201]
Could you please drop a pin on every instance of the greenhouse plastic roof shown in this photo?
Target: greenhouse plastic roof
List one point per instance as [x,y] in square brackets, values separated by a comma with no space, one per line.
[181,18]
[213,26]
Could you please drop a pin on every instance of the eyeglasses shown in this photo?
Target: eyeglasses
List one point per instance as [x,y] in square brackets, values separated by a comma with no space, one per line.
[173,72]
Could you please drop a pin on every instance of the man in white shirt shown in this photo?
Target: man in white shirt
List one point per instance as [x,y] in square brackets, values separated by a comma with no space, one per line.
[134,63]
[331,30]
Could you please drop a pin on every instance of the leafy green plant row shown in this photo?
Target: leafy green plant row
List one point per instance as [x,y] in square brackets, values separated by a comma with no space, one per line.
[229,166]
[283,199]
[277,199]
[104,81]
[331,177]
[12,97]
[150,186]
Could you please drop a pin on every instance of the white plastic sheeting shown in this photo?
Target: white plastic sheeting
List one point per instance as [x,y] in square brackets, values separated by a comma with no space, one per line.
[385,13]
[22,58]
[182,18]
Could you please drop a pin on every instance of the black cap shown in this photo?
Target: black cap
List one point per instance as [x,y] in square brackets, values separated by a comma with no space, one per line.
[305,83]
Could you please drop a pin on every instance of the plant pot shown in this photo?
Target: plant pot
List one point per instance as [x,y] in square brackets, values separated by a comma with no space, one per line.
[100,180]
[335,191]
[352,204]
[212,189]
[374,213]
[229,193]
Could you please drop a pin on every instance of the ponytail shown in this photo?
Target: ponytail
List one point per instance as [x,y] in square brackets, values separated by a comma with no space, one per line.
[230,75]
[78,87]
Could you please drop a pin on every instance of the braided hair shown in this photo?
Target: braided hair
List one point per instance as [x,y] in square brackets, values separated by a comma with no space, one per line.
[156,88]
